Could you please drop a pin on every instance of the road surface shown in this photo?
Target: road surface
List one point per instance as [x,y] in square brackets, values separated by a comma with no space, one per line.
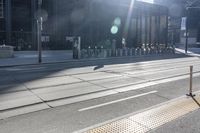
[62,98]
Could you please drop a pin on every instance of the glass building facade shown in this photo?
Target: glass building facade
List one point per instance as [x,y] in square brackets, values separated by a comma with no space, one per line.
[134,24]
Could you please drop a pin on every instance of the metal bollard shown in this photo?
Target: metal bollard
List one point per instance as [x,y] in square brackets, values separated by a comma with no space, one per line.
[135,51]
[191,77]
[124,52]
[104,53]
[140,51]
[128,51]
[131,52]
[121,52]
[116,52]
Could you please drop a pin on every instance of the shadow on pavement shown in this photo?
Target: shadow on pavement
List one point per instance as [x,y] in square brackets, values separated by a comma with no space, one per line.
[16,76]
[196,101]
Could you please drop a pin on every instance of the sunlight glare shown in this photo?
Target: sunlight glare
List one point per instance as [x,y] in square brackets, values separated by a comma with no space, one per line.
[148,1]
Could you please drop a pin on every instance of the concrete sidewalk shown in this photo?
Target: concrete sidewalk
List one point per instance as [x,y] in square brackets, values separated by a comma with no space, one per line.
[64,100]
[176,116]
[191,51]
[31,86]
[31,58]
[186,124]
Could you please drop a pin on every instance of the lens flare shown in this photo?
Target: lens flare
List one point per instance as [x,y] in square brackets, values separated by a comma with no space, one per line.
[114,29]
[117,21]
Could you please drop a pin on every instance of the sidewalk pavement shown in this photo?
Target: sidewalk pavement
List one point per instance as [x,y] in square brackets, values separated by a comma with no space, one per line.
[56,56]
[191,51]
[31,57]
[186,124]
[179,115]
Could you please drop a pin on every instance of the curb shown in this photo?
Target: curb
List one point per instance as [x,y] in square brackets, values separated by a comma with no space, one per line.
[95,59]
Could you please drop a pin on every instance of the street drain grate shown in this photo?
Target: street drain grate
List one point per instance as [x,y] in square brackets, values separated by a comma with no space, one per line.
[150,119]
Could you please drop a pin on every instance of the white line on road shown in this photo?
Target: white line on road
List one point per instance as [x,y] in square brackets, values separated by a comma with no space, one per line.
[116,101]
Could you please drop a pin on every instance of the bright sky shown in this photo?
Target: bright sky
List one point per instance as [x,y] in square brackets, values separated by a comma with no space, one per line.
[149,1]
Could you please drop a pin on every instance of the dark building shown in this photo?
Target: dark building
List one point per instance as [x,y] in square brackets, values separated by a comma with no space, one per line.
[96,21]
[179,9]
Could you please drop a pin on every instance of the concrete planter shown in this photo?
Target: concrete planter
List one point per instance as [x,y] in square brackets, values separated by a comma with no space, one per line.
[6,51]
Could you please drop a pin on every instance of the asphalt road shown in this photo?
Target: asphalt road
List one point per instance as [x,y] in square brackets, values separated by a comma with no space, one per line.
[58,98]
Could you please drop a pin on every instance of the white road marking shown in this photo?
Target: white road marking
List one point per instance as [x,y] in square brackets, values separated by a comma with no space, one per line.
[116,101]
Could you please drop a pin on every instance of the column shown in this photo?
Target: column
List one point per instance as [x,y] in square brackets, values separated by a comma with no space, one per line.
[140,17]
[33,23]
[8,21]
[137,19]
[167,30]
[159,29]
[146,29]
[150,28]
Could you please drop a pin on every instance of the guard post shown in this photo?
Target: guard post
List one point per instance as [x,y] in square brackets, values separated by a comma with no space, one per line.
[191,78]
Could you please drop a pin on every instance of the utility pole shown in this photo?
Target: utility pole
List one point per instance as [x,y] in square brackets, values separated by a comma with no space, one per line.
[39,31]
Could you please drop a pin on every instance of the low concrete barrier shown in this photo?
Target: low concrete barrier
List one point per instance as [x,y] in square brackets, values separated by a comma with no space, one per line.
[6,51]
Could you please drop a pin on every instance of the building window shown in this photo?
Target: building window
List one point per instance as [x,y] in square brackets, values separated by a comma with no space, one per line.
[1,9]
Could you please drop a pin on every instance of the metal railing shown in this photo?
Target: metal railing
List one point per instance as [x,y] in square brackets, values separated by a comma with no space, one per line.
[104,53]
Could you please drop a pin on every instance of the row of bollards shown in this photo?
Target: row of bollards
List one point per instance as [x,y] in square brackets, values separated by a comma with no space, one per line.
[103,53]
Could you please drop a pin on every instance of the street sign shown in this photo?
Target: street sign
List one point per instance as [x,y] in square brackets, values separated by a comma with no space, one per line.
[183,23]
[1,9]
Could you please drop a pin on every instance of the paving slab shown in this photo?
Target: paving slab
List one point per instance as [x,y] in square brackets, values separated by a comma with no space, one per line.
[186,124]
[17,99]
[118,81]
[173,89]
[162,74]
[81,98]
[65,91]
[81,70]
[26,77]
[15,95]
[76,86]
[48,82]
[23,110]
[152,118]
[96,76]
[12,88]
